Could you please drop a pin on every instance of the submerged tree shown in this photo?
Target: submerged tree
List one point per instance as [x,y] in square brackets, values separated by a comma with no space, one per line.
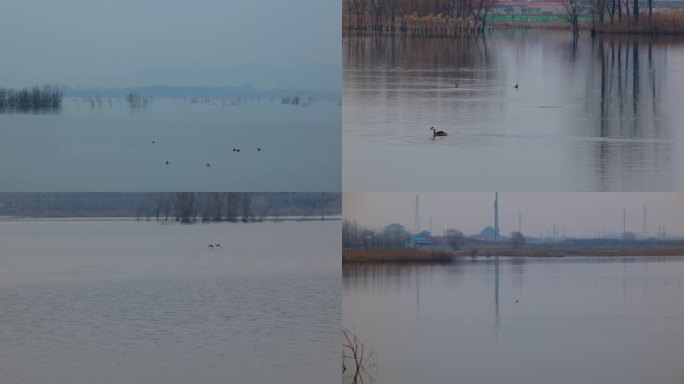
[359,362]
[135,100]
[49,97]
[572,9]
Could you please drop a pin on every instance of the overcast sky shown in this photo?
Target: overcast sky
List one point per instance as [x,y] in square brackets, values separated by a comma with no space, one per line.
[114,43]
[577,213]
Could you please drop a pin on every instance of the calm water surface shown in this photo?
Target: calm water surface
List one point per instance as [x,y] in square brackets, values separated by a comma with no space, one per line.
[110,148]
[570,320]
[599,115]
[139,302]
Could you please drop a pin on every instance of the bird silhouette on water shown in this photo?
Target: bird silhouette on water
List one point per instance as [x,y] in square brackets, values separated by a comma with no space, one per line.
[515,86]
[437,133]
[211,246]
[167,163]
[208,165]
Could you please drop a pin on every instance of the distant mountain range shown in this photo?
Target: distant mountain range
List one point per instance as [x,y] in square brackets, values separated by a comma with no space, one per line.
[246,91]
[320,81]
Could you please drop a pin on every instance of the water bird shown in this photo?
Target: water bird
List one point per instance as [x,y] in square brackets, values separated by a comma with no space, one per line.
[153,141]
[437,133]
[208,165]
[211,246]
[516,301]
[167,163]
[237,150]
[455,85]
[515,86]
[217,245]
[258,149]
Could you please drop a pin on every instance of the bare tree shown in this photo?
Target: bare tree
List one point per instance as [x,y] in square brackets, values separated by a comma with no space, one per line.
[184,206]
[454,238]
[572,9]
[232,206]
[246,201]
[517,239]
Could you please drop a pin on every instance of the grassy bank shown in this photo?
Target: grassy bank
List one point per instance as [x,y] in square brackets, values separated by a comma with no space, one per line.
[561,252]
[396,256]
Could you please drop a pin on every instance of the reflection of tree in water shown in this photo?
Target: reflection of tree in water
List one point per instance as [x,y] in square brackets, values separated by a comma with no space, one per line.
[415,76]
[624,86]
[439,54]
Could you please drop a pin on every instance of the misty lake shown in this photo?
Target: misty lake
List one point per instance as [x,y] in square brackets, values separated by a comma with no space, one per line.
[109,148]
[565,320]
[603,114]
[140,302]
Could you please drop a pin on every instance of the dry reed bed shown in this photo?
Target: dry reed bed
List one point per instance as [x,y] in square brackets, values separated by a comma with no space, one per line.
[412,25]
[669,21]
[396,256]
[560,252]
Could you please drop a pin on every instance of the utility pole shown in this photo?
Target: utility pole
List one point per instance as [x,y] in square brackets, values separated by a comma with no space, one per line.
[416,221]
[520,222]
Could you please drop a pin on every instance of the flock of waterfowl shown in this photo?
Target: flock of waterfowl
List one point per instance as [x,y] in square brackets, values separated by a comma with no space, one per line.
[436,133]
[236,150]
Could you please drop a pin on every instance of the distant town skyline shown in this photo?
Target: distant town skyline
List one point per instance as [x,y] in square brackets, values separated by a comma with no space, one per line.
[574,214]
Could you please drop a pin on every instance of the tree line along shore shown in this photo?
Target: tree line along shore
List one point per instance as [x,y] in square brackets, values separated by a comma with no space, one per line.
[471,17]
[184,207]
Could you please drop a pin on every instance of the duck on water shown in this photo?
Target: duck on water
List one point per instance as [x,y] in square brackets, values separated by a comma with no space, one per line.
[437,133]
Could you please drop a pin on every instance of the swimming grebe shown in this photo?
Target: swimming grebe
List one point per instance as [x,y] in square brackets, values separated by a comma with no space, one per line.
[437,133]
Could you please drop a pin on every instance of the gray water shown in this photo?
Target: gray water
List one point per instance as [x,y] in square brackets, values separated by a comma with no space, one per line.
[570,320]
[599,115]
[110,148]
[140,302]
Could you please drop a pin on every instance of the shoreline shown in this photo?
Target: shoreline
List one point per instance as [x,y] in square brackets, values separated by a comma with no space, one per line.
[669,22]
[447,256]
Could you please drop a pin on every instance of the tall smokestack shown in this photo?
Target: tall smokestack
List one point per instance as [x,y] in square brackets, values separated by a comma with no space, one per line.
[645,229]
[496,216]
